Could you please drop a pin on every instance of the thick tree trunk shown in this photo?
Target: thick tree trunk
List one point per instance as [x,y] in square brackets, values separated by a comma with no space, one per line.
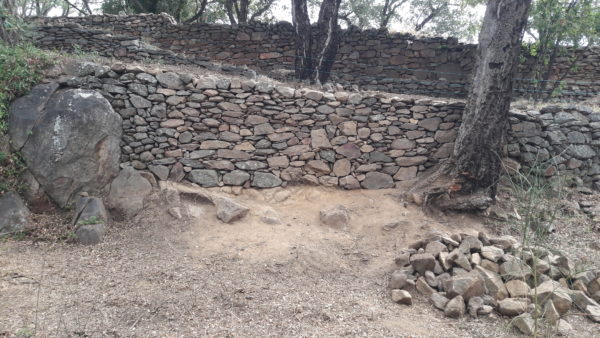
[327,42]
[303,57]
[478,147]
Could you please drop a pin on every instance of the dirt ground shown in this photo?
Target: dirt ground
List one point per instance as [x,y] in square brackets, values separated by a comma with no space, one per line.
[158,277]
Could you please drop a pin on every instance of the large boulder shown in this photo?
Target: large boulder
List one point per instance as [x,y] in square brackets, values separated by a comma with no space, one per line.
[68,138]
[127,194]
[14,215]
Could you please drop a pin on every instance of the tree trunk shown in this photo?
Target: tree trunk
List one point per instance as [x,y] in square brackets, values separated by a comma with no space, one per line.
[8,13]
[478,147]
[327,40]
[303,57]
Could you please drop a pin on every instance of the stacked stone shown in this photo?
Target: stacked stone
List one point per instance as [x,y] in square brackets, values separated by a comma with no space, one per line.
[220,131]
[371,59]
[70,37]
[478,274]
[566,136]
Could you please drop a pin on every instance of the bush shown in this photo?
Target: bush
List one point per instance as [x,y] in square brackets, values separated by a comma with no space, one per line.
[21,67]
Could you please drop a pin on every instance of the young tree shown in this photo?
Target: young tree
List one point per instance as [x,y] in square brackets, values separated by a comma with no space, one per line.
[557,27]
[314,59]
[474,169]
[9,30]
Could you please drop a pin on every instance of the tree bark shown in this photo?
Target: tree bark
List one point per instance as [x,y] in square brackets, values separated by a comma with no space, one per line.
[199,13]
[478,147]
[303,34]
[327,40]
[8,12]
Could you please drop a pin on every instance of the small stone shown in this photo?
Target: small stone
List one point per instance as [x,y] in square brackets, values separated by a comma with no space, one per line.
[550,312]
[435,248]
[424,288]
[455,307]
[229,211]
[422,262]
[493,283]
[564,328]
[204,177]
[14,215]
[524,323]
[517,289]
[492,253]
[505,242]
[439,301]
[401,297]
[377,180]
[473,306]
[470,244]
[265,180]
[466,285]
[336,217]
[512,306]
[485,310]
[398,280]
[90,234]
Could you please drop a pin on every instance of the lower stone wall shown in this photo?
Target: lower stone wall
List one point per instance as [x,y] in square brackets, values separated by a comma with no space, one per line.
[226,131]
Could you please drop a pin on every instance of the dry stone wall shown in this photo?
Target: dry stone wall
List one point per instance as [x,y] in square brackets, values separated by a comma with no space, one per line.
[370,59]
[230,131]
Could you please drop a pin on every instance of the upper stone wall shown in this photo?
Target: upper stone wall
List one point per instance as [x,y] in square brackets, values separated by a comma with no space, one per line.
[226,131]
[371,59]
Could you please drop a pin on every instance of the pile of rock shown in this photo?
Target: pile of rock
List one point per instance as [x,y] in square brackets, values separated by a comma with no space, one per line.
[477,274]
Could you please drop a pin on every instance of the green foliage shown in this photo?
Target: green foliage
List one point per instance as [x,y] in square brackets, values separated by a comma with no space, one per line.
[90,220]
[20,68]
[553,29]
[12,167]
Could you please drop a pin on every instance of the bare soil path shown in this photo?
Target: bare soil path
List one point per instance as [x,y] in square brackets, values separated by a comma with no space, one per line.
[155,276]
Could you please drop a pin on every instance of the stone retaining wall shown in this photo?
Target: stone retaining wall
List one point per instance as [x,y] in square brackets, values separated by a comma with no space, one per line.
[222,131]
[371,59]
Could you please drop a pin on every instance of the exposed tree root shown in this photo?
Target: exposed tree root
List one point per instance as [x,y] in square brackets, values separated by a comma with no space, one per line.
[442,189]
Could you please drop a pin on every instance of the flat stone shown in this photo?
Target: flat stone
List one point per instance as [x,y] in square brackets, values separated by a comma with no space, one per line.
[236,178]
[406,173]
[161,171]
[204,177]
[435,247]
[493,283]
[492,253]
[349,150]
[265,180]
[402,297]
[512,306]
[377,180]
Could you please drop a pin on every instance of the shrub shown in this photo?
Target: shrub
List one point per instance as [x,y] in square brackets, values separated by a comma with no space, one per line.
[21,67]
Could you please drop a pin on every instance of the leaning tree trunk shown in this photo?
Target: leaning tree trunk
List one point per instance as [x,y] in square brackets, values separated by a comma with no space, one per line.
[303,57]
[468,180]
[478,147]
[327,40]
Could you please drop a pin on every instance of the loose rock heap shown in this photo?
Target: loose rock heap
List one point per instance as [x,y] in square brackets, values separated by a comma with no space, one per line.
[477,274]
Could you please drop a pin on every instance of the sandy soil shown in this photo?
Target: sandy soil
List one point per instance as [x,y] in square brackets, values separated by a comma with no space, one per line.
[156,276]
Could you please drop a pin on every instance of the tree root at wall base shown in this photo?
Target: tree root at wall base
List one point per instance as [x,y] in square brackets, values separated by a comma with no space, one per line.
[443,189]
